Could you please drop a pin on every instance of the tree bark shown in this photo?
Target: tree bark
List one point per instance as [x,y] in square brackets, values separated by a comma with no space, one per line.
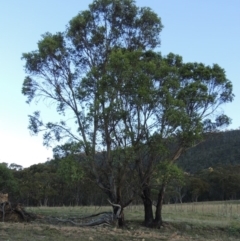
[116,198]
[149,220]
[148,211]
[121,220]
[158,214]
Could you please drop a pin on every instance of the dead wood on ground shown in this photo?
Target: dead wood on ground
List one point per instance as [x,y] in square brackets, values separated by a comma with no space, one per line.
[14,213]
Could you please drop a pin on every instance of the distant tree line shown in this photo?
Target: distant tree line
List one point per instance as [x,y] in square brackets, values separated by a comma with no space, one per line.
[42,184]
[62,181]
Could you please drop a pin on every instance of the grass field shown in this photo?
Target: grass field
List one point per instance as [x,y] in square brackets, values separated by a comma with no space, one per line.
[217,221]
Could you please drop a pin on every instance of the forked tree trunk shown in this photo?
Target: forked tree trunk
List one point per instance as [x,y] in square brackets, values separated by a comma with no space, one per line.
[120,220]
[149,220]
[116,198]
[158,214]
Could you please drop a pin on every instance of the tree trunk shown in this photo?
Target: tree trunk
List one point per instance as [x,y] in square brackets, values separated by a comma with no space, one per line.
[120,220]
[45,201]
[116,198]
[148,211]
[158,214]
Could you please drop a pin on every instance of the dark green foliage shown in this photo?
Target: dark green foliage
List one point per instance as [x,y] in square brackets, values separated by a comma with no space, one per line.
[220,182]
[63,182]
[111,24]
[221,148]
[37,184]
[8,183]
[56,182]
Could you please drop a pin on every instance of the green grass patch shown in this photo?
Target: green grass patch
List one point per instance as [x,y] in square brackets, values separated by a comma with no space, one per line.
[194,221]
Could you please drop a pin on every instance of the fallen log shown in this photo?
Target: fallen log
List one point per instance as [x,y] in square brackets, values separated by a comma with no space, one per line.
[104,218]
[16,213]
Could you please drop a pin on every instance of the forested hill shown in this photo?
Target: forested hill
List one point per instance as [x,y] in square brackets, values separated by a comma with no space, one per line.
[222,148]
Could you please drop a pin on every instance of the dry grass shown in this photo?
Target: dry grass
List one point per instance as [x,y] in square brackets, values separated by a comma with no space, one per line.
[210,221]
[210,213]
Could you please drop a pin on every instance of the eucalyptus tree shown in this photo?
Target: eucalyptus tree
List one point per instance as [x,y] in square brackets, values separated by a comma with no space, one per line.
[71,71]
[130,104]
[186,107]
[164,106]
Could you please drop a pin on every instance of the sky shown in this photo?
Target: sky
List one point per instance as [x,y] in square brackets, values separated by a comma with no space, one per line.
[200,31]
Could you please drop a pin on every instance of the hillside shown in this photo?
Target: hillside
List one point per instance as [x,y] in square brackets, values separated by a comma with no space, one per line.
[221,148]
